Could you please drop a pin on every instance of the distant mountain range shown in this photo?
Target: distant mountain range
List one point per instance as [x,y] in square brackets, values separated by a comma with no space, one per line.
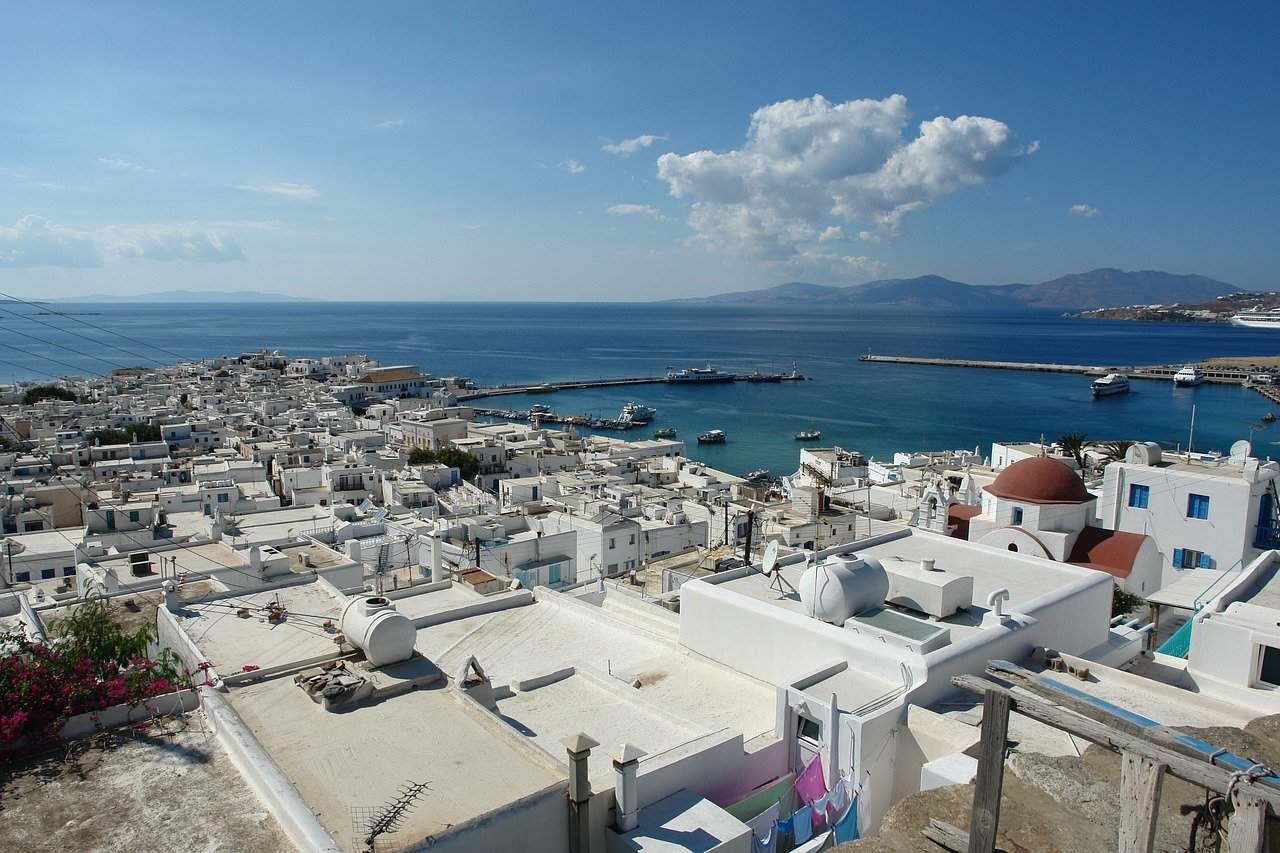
[220,296]
[1101,288]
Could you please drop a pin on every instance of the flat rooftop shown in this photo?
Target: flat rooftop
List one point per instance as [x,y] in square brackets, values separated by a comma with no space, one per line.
[359,759]
[230,642]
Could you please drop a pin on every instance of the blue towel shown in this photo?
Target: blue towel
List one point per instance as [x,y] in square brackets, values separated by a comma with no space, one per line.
[847,826]
[802,820]
[787,825]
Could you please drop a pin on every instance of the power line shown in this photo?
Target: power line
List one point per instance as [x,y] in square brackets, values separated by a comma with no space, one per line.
[79,370]
[32,319]
[54,344]
[76,319]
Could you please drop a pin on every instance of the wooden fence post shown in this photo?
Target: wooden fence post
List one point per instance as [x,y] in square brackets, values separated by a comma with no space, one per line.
[1140,782]
[1247,828]
[984,820]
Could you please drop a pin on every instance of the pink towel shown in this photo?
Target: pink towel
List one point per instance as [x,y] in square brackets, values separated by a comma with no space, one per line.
[811,784]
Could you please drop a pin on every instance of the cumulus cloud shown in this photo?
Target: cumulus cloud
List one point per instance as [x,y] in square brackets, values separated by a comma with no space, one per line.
[118,165]
[627,147]
[1087,211]
[34,241]
[284,188]
[573,167]
[645,210]
[810,167]
[390,124]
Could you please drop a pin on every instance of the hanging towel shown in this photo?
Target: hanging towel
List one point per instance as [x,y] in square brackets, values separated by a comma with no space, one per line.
[846,828]
[802,822]
[811,784]
[837,799]
[765,845]
[786,825]
[762,824]
[820,812]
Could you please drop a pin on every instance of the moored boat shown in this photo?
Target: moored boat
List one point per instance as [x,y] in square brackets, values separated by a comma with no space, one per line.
[1258,318]
[1189,375]
[665,432]
[809,435]
[712,436]
[699,374]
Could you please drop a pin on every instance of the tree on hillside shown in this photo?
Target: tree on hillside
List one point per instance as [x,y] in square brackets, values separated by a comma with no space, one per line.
[47,392]
[468,466]
[1074,443]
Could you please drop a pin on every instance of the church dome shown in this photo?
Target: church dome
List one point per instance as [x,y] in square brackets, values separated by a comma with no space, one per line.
[1040,480]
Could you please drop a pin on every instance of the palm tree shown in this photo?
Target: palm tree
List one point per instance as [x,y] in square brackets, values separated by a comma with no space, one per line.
[1075,443]
[1114,451]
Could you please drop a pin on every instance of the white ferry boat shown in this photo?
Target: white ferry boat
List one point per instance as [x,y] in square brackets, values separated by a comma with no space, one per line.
[699,374]
[1258,318]
[1112,383]
[712,436]
[1188,375]
[634,413]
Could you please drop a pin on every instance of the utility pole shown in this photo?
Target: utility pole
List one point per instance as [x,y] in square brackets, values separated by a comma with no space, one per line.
[746,546]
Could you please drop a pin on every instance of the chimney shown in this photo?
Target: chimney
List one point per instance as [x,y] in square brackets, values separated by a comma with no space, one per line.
[927,564]
[626,761]
[255,560]
[437,560]
[579,747]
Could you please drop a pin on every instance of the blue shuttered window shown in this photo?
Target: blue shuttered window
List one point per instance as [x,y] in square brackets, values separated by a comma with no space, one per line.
[1139,495]
[1197,506]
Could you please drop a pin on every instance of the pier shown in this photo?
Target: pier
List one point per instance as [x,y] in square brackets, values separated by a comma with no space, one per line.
[1229,376]
[572,384]
[553,418]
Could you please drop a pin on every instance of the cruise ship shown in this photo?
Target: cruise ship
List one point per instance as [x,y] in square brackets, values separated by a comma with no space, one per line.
[1258,318]
[1188,375]
[1112,383]
[699,374]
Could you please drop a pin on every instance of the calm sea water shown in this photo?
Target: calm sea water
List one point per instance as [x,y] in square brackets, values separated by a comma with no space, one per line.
[874,408]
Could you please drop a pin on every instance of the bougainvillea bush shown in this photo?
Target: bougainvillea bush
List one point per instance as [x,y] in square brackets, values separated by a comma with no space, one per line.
[89,663]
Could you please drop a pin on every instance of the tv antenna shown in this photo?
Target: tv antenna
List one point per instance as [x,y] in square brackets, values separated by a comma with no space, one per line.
[773,572]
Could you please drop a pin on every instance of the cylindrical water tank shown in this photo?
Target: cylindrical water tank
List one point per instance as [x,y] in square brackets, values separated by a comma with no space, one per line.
[373,625]
[843,586]
[1143,453]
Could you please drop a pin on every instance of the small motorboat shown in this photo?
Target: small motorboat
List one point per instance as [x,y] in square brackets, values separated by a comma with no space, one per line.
[758,475]
[1269,418]
[665,432]
[712,436]
[809,435]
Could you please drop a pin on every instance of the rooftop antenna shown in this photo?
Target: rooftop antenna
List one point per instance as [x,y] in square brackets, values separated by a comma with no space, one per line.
[773,572]
[1191,435]
[391,816]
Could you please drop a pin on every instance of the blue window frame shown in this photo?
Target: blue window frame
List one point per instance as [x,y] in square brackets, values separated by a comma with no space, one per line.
[224,498]
[22,577]
[1017,515]
[68,571]
[45,574]
[535,493]
[553,574]
[1197,506]
[1139,495]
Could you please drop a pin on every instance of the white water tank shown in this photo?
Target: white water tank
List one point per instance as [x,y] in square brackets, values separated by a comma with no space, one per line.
[843,586]
[373,625]
[1143,453]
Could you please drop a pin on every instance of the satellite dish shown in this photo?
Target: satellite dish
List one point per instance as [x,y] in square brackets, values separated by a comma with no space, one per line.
[770,557]
[1241,450]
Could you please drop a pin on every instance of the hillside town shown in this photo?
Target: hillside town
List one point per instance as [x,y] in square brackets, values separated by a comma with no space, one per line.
[401,626]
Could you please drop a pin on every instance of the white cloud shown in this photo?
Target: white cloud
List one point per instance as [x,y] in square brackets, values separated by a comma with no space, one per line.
[1087,211]
[627,147]
[284,188]
[573,167]
[646,210]
[390,124]
[810,166]
[35,241]
[118,165]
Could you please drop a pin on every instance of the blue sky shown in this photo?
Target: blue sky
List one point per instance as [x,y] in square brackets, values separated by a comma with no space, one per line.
[502,151]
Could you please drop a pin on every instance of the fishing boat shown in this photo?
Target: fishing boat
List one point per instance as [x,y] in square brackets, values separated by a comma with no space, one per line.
[757,475]
[1188,376]
[634,413]
[665,432]
[712,436]
[757,376]
[539,409]
[809,435]
[1112,383]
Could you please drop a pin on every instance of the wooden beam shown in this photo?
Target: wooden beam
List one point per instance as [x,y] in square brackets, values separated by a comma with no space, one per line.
[1247,829]
[1140,782]
[984,819]
[946,836]
[1188,769]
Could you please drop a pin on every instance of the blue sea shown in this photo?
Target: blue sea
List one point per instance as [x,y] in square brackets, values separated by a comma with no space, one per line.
[874,408]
